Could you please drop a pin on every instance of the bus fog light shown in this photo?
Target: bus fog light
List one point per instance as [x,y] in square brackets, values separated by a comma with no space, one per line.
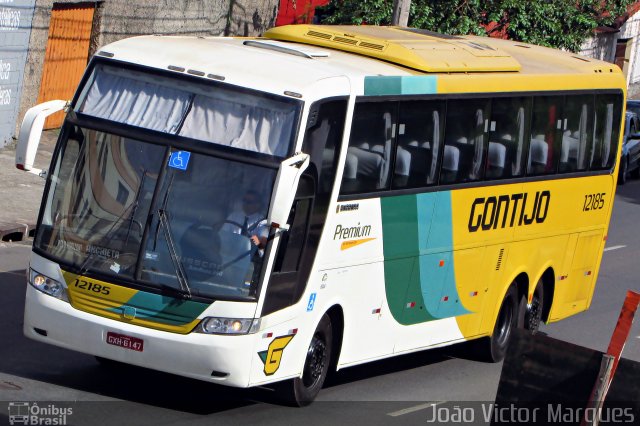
[47,285]
[214,325]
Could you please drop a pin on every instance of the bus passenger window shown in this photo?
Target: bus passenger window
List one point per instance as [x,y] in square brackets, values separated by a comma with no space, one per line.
[545,125]
[606,132]
[369,153]
[577,133]
[506,150]
[419,139]
[467,124]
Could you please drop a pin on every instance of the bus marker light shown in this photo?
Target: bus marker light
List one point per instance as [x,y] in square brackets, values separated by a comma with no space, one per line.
[376,311]
[473,293]
[605,237]
[411,304]
[293,94]
[267,335]
[586,274]
[293,331]
[441,263]
[445,298]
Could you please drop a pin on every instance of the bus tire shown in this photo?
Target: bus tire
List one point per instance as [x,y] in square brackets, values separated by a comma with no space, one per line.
[301,391]
[533,313]
[622,173]
[493,348]
[636,172]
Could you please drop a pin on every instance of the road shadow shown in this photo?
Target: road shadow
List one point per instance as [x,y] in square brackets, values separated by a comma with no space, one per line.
[33,360]
[630,191]
[401,363]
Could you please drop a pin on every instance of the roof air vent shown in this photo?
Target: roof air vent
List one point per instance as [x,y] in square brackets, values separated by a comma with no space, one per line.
[319,35]
[345,40]
[371,45]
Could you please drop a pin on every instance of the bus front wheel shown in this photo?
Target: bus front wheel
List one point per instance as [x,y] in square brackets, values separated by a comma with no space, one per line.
[301,391]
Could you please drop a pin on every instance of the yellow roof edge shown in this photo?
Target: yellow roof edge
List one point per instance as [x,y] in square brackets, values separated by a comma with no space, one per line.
[436,55]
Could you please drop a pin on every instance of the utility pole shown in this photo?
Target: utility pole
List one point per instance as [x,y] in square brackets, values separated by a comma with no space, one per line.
[401,12]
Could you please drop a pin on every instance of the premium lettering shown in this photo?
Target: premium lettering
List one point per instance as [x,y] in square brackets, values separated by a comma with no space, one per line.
[504,211]
[342,233]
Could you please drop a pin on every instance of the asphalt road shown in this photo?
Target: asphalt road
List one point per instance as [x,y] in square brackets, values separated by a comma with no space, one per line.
[394,391]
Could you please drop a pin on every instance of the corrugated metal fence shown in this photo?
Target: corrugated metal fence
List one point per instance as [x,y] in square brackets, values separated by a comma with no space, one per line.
[66,54]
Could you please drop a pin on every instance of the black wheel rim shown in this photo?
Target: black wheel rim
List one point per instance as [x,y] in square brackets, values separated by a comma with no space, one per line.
[505,320]
[315,363]
[535,314]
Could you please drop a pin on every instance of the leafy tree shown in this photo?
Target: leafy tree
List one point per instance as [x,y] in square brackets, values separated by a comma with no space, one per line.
[556,23]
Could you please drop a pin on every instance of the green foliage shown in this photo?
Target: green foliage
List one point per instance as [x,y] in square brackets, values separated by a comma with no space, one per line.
[556,23]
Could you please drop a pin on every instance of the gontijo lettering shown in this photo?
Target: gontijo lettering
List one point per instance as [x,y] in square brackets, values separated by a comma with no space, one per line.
[508,211]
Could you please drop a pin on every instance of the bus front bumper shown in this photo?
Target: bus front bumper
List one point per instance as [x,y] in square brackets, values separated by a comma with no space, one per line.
[214,358]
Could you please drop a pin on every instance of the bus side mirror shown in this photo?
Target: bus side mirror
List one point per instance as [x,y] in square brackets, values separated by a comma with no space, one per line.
[285,189]
[30,133]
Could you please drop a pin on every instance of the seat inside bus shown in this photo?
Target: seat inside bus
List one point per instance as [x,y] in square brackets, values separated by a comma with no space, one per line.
[538,154]
[496,159]
[369,153]
[569,151]
[450,164]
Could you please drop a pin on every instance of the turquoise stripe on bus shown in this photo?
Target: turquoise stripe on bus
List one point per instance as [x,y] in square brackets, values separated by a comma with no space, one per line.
[400,85]
[419,267]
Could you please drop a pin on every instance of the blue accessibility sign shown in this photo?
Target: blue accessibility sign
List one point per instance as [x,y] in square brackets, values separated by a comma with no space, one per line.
[312,302]
[179,160]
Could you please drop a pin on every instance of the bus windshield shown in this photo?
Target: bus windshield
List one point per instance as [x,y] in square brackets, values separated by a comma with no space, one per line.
[180,221]
[117,206]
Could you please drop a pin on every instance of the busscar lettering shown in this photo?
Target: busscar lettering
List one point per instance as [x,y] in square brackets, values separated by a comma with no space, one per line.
[342,233]
[507,211]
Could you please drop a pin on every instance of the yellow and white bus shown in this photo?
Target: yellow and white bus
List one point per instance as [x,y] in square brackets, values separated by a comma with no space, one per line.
[253,210]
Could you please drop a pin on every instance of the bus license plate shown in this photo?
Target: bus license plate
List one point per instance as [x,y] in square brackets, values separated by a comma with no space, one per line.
[124,341]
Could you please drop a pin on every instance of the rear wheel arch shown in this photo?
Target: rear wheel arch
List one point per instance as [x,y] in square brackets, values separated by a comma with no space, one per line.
[522,285]
[548,280]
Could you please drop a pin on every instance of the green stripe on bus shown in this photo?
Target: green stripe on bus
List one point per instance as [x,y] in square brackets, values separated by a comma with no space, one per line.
[163,309]
[400,85]
[419,268]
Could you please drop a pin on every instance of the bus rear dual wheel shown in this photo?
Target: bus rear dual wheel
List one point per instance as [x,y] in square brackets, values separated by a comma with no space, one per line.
[301,391]
[514,312]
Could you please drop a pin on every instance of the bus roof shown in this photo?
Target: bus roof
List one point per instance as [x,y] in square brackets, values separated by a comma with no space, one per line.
[293,57]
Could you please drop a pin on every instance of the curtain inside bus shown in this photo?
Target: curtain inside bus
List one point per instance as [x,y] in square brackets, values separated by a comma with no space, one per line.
[231,117]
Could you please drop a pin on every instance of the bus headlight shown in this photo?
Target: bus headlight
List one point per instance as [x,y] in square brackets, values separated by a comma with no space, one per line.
[47,285]
[214,325]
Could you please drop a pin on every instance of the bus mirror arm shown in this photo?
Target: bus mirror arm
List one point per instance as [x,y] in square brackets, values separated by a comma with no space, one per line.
[285,190]
[30,133]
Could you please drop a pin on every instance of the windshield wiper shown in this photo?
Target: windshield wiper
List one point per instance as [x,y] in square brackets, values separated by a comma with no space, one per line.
[135,207]
[88,261]
[86,264]
[184,290]
[179,269]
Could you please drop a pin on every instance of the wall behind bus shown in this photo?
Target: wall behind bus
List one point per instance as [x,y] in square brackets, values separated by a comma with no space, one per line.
[117,19]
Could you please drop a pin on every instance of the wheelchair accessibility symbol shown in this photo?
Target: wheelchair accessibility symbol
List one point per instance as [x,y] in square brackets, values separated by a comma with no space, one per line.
[179,160]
